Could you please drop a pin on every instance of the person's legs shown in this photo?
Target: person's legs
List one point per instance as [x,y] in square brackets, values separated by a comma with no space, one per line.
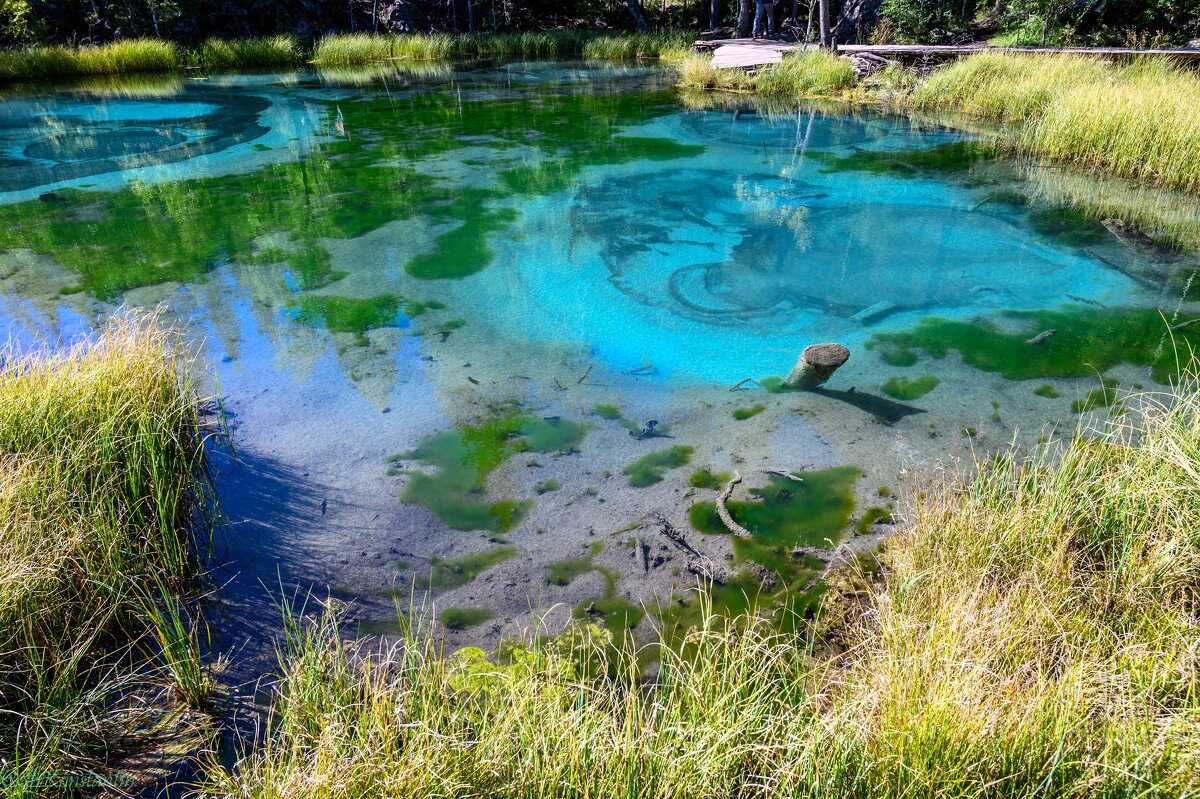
[758,14]
[769,10]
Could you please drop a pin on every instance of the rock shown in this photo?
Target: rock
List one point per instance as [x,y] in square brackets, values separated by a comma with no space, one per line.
[856,20]
[816,365]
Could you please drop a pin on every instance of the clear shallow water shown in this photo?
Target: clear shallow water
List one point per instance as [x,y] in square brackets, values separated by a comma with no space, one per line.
[372,260]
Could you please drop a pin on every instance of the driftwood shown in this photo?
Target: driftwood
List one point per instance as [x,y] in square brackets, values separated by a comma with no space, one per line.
[1087,300]
[1185,325]
[741,384]
[697,564]
[1041,337]
[783,473]
[723,512]
[816,364]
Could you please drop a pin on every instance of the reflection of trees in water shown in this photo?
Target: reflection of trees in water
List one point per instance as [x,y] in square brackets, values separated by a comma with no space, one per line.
[243,246]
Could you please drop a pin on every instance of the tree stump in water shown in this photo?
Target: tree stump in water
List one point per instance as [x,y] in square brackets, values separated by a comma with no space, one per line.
[816,365]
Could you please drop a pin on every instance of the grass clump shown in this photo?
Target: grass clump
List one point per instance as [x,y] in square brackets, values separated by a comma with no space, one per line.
[253,53]
[365,48]
[117,58]
[1137,120]
[806,74]
[1034,636]
[104,508]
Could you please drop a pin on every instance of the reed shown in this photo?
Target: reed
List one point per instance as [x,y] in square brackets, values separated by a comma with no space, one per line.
[1140,120]
[364,48]
[805,74]
[1035,637]
[104,502]
[256,53]
[118,58]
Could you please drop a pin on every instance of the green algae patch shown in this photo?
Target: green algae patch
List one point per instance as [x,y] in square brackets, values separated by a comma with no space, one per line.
[705,478]
[564,572]
[789,513]
[872,516]
[464,250]
[546,486]
[460,571]
[1086,341]
[950,157]
[465,456]
[1048,391]
[902,388]
[609,411]
[1067,226]
[1105,396]
[785,514]
[463,618]
[351,314]
[649,469]
[742,414]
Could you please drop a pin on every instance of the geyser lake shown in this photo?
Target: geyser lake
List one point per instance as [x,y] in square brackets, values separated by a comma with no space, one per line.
[442,308]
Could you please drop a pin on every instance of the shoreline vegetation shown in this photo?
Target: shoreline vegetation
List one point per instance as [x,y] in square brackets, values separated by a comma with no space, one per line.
[105,525]
[1136,120]
[143,56]
[1034,636]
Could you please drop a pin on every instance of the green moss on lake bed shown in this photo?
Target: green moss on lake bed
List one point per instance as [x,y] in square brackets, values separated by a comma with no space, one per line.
[742,414]
[902,388]
[649,469]
[464,457]
[463,618]
[789,513]
[1088,340]
[705,478]
[460,571]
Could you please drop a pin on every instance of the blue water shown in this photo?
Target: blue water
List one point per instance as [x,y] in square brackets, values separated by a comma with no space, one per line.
[645,282]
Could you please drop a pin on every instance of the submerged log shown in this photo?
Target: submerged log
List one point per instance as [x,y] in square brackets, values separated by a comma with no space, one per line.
[723,512]
[816,365]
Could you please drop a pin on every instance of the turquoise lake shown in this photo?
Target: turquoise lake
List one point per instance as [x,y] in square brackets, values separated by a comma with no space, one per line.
[443,306]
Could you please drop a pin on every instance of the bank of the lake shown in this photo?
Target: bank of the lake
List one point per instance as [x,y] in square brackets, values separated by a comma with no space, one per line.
[145,56]
[1135,119]
[105,510]
[1034,636]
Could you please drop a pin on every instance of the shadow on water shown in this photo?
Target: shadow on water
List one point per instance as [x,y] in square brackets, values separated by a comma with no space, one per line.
[870,403]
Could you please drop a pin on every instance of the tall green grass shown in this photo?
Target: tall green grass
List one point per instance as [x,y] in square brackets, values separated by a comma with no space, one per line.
[804,74]
[1140,120]
[118,58]
[104,505]
[267,51]
[364,48]
[1036,637]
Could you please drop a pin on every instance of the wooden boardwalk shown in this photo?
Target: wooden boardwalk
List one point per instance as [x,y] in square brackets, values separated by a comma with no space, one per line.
[746,53]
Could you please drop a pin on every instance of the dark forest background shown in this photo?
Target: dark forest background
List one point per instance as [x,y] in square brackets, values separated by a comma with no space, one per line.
[1127,22]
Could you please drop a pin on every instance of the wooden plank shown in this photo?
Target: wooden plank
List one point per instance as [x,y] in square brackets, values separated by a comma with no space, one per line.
[733,55]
